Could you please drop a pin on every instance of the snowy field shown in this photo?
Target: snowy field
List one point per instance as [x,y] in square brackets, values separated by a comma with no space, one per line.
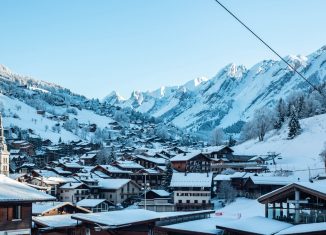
[300,153]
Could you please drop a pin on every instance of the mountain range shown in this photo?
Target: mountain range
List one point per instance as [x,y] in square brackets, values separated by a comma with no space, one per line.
[230,97]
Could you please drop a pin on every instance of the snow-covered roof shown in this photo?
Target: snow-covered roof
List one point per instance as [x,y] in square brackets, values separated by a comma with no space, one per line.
[222,177]
[72,165]
[161,192]
[11,190]
[118,218]
[319,228]
[114,169]
[90,202]
[185,156]
[43,207]
[256,225]
[71,185]
[88,156]
[46,173]
[129,165]
[191,179]
[113,183]
[156,160]
[272,180]
[318,186]
[55,221]
[212,149]
[202,226]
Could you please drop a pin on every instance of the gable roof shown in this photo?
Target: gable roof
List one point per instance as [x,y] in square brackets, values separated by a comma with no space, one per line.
[187,156]
[191,179]
[255,225]
[90,202]
[272,180]
[56,221]
[12,190]
[113,183]
[317,188]
[118,218]
[42,208]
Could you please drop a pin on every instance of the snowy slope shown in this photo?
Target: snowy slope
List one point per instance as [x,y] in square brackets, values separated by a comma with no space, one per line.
[27,115]
[299,153]
[232,95]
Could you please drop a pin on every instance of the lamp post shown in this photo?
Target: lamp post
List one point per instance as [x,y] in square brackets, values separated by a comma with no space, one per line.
[145,187]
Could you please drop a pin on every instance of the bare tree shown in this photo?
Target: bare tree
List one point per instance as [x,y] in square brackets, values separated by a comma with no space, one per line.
[226,192]
[323,155]
[217,136]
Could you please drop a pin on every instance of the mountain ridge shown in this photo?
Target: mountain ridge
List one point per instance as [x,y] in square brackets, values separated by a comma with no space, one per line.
[233,94]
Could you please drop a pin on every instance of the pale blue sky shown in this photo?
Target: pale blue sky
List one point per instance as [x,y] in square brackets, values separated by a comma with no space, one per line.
[96,46]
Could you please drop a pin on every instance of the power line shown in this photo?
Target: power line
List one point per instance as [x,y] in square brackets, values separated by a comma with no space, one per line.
[269,47]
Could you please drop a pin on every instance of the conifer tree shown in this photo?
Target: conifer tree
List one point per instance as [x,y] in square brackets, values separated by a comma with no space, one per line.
[280,114]
[294,125]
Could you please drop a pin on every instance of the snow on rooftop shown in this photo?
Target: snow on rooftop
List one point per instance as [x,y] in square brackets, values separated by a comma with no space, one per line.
[319,186]
[191,180]
[319,228]
[114,169]
[113,183]
[273,180]
[257,225]
[55,221]
[185,156]
[11,190]
[41,207]
[159,161]
[207,226]
[90,202]
[129,165]
[71,185]
[117,218]
[161,192]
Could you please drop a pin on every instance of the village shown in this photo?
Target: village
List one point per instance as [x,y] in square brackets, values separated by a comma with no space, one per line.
[83,188]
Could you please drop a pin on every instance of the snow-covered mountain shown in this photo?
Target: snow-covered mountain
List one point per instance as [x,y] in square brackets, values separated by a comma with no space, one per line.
[46,110]
[229,97]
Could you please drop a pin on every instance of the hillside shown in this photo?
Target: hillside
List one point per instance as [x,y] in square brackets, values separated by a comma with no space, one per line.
[299,153]
[48,111]
[231,96]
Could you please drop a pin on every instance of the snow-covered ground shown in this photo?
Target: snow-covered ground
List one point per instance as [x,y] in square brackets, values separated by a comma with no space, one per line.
[241,208]
[27,118]
[300,153]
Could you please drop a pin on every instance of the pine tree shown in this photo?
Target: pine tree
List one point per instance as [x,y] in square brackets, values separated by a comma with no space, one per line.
[281,113]
[167,176]
[294,125]
[232,141]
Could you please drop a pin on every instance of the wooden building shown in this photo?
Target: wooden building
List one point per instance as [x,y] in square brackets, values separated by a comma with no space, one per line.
[16,206]
[297,203]
[191,162]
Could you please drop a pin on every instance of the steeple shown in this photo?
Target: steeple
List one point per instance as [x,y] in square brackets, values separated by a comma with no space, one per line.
[4,154]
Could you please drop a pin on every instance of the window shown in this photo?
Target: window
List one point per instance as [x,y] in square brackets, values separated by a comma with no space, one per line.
[188,201]
[14,212]
[196,201]
[204,201]
[180,201]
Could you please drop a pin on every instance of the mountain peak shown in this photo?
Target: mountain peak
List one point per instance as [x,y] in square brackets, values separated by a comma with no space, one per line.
[5,70]
[235,71]
[113,98]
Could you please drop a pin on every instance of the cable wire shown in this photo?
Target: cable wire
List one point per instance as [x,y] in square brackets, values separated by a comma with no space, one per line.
[269,47]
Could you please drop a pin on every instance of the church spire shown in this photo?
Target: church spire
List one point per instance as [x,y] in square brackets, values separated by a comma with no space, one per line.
[4,154]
